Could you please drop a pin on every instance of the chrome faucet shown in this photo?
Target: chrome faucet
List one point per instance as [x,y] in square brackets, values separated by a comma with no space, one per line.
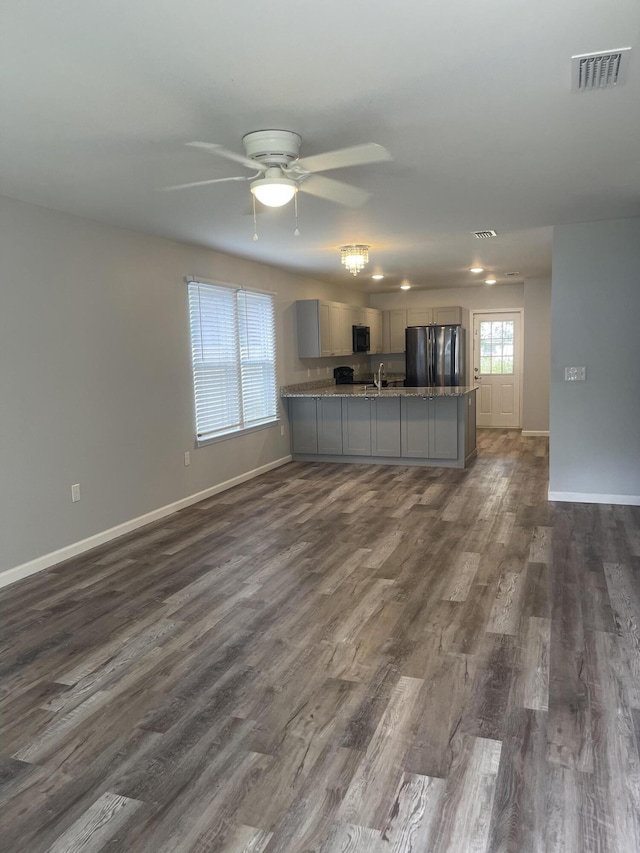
[380,376]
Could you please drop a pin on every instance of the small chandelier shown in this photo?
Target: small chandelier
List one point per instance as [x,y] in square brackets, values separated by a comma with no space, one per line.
[354,257]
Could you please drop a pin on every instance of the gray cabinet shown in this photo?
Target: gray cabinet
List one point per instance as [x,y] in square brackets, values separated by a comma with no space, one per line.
[356,426]
[371,426]
[385,426]
[324,328]
[447,316]
[316,425]
[429,427]
[304,424]
[394,322]
[329,418]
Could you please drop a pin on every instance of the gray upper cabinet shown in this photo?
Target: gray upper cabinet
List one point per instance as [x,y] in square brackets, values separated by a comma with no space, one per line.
[447,316]
[396,320]
[429,427]
[394,323]
[324,328]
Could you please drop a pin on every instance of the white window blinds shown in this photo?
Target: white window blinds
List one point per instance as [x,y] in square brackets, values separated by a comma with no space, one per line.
[234,354]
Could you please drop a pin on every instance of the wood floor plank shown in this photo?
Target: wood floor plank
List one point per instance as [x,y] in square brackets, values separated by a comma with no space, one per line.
[97,825]
[368,798]
[467,801]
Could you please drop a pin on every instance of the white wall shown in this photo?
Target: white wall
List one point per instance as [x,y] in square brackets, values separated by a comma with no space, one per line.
[534,296]
[95,378]
[595,425]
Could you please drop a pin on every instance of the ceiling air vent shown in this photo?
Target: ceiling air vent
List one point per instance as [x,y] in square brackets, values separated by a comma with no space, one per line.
[599,70]
[484,235]
[512,274]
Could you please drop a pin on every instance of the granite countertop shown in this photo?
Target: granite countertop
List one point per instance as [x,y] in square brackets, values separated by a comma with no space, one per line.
[302,390]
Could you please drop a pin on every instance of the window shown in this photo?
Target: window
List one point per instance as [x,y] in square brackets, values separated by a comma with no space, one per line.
[234,359]
[496,346]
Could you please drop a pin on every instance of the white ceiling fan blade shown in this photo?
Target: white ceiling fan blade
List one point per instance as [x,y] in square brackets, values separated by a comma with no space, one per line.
[336,191]
[205,183]
[228,155]
[356,155]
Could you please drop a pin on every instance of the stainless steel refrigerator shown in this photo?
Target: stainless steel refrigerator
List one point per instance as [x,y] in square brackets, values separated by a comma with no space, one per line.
[435,356]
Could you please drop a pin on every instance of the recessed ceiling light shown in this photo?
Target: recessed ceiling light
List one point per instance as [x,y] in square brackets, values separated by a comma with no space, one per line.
[377,277]
[476,269]
[405,287]
[490,281]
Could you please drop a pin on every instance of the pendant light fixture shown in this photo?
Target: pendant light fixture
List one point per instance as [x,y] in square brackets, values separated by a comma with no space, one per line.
[354,257]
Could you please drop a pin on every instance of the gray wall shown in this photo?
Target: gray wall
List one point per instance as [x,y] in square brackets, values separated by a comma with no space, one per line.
[534,296]
[595,425]
[95,376]
[537,354]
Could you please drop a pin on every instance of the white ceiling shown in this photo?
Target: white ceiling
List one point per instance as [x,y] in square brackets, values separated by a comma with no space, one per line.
[473,100]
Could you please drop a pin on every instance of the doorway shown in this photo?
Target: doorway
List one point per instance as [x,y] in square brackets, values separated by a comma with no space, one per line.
[497,367]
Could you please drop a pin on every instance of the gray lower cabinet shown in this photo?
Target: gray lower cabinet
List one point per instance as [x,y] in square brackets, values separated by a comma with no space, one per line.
[371,426]
[316,425]
[329,412]
[429,427]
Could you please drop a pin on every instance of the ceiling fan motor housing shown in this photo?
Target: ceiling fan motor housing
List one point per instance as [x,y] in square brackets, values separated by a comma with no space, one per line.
[274,147]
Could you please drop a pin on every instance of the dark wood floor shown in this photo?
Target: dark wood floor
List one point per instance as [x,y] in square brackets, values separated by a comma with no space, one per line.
[335,658]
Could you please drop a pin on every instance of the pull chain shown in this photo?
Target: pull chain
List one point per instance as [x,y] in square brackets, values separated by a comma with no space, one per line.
[255,223]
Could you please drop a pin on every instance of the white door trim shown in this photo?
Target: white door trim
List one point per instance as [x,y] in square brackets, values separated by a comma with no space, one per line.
[472,323]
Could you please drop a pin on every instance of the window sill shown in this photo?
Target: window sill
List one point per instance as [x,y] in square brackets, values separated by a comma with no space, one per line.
[204,442]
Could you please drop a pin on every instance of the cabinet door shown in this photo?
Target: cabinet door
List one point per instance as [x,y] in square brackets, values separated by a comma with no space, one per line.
[447,316]
[356,426]
[304,428]
[397,327]
[443,436]
[357,316]
[419,316]
[374,321]
[385,426]
[329,413]
[430,427]
[324,322]
[346,335]
[415,425]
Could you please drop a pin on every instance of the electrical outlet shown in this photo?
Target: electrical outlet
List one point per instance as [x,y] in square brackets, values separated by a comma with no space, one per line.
[187,458]
[75,492]
[575,374]
[308,372]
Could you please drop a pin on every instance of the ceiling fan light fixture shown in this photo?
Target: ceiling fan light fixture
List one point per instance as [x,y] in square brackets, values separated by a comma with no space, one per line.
[274,191]
[354,257]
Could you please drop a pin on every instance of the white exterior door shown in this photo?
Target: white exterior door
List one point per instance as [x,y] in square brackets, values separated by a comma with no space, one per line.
[497,368]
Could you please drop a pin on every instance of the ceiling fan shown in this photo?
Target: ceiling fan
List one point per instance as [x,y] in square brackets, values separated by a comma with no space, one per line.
[280,173]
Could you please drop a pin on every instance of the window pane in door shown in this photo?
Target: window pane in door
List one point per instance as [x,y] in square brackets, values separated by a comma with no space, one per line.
[496,346]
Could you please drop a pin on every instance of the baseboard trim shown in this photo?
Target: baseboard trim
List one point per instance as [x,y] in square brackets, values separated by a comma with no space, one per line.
[594,498]
[529,432]
[47,560]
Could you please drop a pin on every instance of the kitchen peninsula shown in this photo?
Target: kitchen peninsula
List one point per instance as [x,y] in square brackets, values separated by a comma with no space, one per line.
[391,426]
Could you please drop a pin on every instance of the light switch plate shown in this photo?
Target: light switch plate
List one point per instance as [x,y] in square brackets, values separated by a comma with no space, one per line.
[575,374]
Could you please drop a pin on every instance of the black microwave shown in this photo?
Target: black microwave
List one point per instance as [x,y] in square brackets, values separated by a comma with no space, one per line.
[361,338]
